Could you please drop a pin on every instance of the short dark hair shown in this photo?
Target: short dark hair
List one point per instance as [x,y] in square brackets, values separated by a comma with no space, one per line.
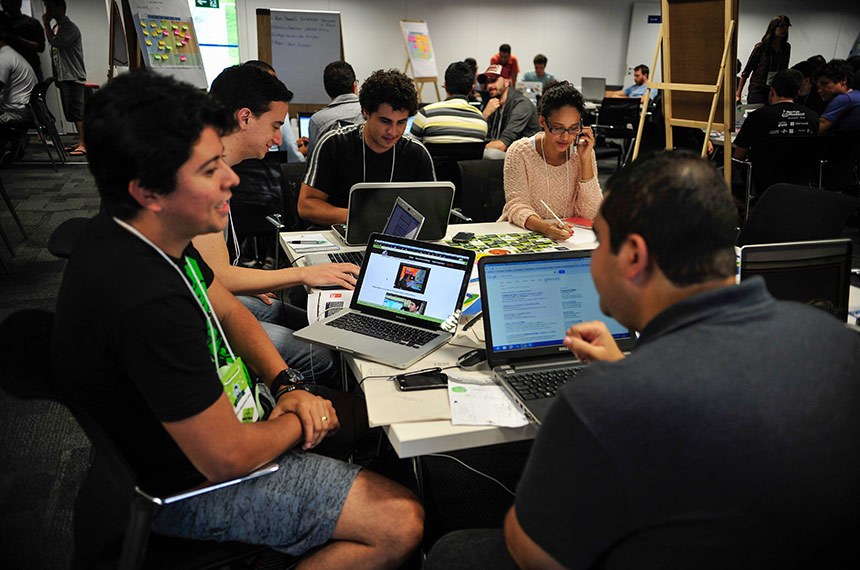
[57,3]
[806,68]
[838,70]
[125,142]
[505,48]
[459,78]
[644,69]
[681,207]
[560,94]
[392,87]
[540,59]
[787,83]
[249,86]
[473,63]
[338,78]
[264,65]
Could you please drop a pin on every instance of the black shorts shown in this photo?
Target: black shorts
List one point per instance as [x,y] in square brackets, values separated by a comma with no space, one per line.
[72,97]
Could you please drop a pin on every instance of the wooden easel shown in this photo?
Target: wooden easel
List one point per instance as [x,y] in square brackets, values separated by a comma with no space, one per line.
[696,22]
[420,81]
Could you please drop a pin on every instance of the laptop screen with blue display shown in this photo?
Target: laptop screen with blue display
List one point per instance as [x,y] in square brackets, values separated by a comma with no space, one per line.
[532,300]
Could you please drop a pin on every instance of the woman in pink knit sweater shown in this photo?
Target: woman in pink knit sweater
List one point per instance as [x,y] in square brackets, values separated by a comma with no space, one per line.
[556,165]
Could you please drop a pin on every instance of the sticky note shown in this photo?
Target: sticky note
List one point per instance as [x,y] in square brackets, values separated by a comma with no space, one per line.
[149,42]
[184,27]
[182,42]
[175,27]
[188,36]
[169,48]
[152,24]
[164,56]
[182,58]
[143,24]
[166,33]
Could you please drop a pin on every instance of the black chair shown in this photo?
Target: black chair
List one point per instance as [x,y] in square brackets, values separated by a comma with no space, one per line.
[618,118]
[111,515]
[292,174]
[445,158]
[63,238]
[788,212]
[44,123]
[14,213]
[840,161]
[256,197]
[780,159]
[482,189]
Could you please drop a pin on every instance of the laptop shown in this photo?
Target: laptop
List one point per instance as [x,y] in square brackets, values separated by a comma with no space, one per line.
[305,124]
[403,221]
[370,201]
[405,291]
[593,89]
[529,302]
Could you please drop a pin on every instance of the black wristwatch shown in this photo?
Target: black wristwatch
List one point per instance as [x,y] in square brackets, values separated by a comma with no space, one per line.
[287,381]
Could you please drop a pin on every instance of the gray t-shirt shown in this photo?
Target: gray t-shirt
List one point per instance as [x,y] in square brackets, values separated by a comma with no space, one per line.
[18,80]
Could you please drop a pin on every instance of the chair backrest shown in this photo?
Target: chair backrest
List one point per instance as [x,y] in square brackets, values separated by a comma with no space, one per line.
[619,112]
[785,159]
[103,492]
[788,212]
[482,190]
[445,158]
[841,153]
[292,174]
[257,195]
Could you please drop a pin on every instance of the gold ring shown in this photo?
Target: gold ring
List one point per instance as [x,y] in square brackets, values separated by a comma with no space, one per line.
[325,418]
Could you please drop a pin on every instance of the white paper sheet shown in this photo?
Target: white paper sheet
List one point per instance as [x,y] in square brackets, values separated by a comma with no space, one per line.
[476,400]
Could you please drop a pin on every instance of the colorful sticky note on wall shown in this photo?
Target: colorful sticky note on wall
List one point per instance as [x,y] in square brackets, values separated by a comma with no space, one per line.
[164,56]
[149,42]
[152,24]
[175,27]
[184,27]
[143,24]
[182,58]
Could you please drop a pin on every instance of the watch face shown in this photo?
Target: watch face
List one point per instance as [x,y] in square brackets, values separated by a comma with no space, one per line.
[294,375]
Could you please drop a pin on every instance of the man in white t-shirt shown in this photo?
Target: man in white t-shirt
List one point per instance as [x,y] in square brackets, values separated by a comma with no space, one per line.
[17,81]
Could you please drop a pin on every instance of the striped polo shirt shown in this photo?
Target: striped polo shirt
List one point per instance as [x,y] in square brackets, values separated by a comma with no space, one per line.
[451,121]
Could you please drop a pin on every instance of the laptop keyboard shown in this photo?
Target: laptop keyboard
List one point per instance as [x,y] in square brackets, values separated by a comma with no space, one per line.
[356,257]
[384,330]
[542,383]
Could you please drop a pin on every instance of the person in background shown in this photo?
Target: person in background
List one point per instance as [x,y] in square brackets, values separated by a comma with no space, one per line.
[641,76]
[345,109]
[539,74]
[836,87]
[452,120]
[477,93]
[27,37]
[769,56]
[510,115]
[808,95]
[556,165]
[67,55]
[508,62]
[295,148]
[17,81]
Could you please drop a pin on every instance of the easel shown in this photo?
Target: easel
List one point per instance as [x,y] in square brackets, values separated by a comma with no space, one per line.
[420,81]
[122,24]
[698,34]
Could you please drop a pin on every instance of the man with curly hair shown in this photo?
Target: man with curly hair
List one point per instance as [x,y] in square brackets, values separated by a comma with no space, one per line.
[376,151]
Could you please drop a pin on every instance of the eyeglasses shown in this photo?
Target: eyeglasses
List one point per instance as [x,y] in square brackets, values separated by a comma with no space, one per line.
[556,130]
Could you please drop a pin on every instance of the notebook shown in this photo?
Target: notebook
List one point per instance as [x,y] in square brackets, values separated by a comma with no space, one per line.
[405,291]
[403,221]
[529,302]
[593,88]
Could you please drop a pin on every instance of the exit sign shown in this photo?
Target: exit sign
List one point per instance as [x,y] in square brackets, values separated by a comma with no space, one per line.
[206,3]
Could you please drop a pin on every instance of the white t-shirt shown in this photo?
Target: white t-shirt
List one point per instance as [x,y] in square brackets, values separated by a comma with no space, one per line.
[18,80]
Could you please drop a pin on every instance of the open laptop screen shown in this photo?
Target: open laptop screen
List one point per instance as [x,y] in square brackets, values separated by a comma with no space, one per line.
[415,279]
[305,124]
[593,88]
[404,221]
[532,301]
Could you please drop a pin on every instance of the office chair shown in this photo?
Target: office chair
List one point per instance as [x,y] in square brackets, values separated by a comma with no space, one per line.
[14,213]
[44,123]
[839,167]
[788,212]
[482,189]
[445,157]
[111,515]
[618,119]
[257,196]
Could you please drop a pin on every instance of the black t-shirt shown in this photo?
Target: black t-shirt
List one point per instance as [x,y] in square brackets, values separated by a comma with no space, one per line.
[812,101]
[714,445]
[779,119]
[341,159]
[130,345]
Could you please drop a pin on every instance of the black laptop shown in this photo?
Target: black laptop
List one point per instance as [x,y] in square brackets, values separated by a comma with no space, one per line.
[529,302]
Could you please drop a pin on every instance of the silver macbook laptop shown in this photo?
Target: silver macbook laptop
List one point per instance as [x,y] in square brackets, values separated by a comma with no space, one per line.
[593,88]
[529,302]
[405,291]
[403,221]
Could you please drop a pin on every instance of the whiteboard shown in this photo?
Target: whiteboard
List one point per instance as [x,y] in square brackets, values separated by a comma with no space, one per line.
[303,43]
[420,49]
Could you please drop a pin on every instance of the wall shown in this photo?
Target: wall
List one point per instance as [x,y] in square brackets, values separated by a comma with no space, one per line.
[580,38]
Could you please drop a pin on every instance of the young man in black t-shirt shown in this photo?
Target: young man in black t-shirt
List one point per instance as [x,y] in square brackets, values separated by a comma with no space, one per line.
[376,151]
[150,342]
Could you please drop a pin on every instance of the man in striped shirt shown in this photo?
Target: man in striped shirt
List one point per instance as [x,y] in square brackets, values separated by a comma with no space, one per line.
[453,120]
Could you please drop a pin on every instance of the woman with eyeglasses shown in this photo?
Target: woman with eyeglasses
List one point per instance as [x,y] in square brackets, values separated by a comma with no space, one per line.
[553,174]
[768,57]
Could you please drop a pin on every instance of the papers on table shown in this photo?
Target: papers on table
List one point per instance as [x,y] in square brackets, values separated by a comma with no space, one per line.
[476,400]
[309,243]
[325,303]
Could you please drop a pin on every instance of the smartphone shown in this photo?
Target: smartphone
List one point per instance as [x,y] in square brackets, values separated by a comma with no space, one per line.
[422,380]
[463,237]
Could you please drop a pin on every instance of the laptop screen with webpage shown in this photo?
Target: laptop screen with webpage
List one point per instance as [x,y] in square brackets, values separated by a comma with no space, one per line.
[530,301]
[416,282]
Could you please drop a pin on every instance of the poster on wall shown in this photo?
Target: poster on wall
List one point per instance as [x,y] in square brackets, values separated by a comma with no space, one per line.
[168,40]
[420,49]
[217,34]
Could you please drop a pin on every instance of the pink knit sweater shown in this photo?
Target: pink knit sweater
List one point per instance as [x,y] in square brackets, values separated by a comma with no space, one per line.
[528,180]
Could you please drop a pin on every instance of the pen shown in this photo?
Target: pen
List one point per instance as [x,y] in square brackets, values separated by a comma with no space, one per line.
[472,322]
[548,209]
[306,241]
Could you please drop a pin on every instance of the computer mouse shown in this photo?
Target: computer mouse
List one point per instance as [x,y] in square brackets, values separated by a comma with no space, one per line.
[472,360]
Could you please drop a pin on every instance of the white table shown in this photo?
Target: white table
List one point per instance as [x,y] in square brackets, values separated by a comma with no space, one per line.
[418,423]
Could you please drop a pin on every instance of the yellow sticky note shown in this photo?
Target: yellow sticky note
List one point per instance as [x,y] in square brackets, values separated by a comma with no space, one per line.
[145,33]
[143,24]
[184,27]
[164,56]
[152,24]
[149,42]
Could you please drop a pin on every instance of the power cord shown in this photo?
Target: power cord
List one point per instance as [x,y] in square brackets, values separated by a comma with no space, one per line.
[493,479]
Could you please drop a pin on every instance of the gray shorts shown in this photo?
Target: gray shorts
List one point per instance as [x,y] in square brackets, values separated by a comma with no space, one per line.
[292,510]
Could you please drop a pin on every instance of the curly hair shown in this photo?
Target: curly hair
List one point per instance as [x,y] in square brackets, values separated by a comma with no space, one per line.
[392,87]
[558,94]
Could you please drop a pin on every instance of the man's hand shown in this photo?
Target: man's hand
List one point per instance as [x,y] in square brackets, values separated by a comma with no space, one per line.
[302,144]
[340,274]
[492,106]
[266,297]
[317,415]
[592,341]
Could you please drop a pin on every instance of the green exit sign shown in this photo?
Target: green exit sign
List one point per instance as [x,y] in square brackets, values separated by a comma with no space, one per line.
[206,3]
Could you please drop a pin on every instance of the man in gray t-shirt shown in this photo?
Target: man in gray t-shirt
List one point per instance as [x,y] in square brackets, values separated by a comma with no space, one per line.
[67,57]
[340,85]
